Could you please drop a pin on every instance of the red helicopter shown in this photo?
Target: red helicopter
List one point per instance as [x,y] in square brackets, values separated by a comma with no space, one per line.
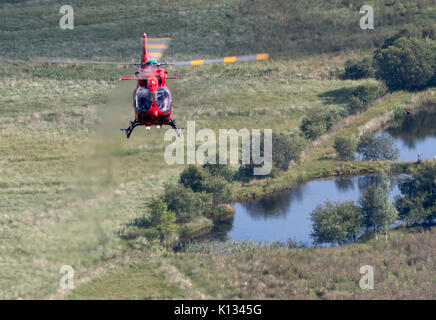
[152,100]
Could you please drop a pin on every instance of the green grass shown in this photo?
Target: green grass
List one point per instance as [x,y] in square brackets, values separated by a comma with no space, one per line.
[69,180]
[402,268]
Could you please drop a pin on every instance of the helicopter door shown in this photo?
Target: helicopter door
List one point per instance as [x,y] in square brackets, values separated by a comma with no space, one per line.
[163,100]
[143,100]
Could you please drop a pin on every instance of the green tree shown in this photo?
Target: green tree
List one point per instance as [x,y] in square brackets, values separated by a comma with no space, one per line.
[345,148]
[285,148]
[185,203]
[317,123]
[358,69]
[376,208]
[219,170]
[220,190]
[336,222]
[375,148]
[417,202]
[193,177]
[162,219]
[407,63]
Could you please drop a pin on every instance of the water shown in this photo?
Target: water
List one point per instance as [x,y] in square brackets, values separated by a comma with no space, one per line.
[287,214]
[416,135]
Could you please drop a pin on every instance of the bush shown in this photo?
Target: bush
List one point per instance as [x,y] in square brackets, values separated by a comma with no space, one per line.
[317,123]
[161,219]
[407,64]
[375,148]
[417,204]
[285,149]
[345,148]
[193,177]
[359,69]
[336,222]
[219,170]
[186,203]
[363,95]
[220,190]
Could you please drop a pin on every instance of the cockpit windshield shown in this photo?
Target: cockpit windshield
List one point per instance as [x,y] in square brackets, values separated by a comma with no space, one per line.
[143,99]
[163,100]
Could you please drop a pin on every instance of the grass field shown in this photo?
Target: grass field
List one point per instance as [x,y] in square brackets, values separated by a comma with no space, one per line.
[69,180]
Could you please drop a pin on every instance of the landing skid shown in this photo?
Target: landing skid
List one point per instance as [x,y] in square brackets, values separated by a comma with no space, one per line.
[133,125]
[173,125]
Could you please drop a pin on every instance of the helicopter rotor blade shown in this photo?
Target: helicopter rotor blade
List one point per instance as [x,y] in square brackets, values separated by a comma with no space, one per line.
[83,62]
[156,47]
[233,59]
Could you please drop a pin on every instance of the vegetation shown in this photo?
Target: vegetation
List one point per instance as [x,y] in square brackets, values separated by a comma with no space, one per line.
[363,96]
[336,222]
[69,181]
[377,209]
[317,123]
[359,69]
[345,148]
[375,148]
[417,204]
[403,270]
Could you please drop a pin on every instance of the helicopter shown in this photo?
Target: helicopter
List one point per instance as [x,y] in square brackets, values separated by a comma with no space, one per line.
[152,100]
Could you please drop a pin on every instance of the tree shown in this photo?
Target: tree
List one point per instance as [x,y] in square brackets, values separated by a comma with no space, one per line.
[335,222]
[219,170]
[193,177]
[376,207]
[407,63]
[375,148]
[285,148]
[317,123]
[162,219]
[417,204]
[220,190]
[345,148]
[358,69]
[185,203]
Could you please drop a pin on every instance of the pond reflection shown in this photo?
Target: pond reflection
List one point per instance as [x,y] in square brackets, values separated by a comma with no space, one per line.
[287,214]
[415,135]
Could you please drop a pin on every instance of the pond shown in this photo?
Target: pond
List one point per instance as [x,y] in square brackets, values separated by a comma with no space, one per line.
[416,135]
[286,214]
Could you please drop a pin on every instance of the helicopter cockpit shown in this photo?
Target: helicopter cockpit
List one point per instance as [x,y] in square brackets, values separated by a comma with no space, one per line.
[163,100]
[143,98]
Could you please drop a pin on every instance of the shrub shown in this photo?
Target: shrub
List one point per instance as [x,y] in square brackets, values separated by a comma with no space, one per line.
[407,64]
[220,190]
[345,148]
[377,209]
[417,204]
[219,170]
[286,148]
[317,123]
[336,222]
[363,95]
[375,148]
[193,177]
[186,203]
[161,219]
[359,69]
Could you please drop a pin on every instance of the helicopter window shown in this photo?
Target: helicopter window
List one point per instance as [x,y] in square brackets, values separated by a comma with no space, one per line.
[143,99]
[163,100]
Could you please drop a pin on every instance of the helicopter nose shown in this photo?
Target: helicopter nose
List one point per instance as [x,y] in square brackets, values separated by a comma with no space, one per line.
[155,113]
